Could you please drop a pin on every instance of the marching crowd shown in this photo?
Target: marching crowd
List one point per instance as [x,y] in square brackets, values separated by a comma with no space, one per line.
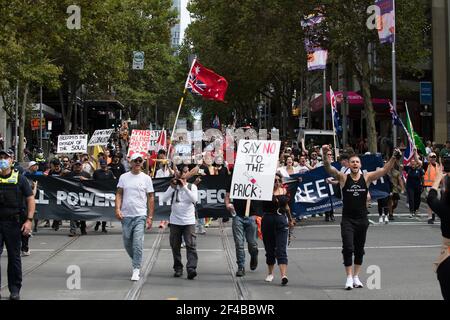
[135,200]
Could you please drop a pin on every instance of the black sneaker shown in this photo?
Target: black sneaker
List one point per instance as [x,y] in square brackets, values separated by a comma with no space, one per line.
[72,234]
[327,217]
[284,281]
[430,221]
[97,225]
[178,273]
[240,272]
[391,217]
[14,296]
[192,274]
[254,262]
[332,218]
[104,231]
[83,232]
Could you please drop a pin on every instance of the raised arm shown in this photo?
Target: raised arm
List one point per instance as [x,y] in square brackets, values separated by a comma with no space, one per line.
[332,171]
[303,146]
[375,175]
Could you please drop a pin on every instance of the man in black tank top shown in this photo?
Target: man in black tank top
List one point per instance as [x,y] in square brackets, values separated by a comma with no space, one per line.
[354,225]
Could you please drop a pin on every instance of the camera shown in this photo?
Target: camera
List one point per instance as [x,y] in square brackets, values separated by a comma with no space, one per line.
[446,164]
[397,154]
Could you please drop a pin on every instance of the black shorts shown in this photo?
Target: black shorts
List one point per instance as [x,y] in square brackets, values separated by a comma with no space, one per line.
[395,196]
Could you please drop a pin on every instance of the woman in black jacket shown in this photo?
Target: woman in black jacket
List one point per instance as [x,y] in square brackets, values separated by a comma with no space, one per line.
[442,209]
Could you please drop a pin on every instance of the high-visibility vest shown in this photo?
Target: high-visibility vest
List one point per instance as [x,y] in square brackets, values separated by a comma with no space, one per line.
[430,176]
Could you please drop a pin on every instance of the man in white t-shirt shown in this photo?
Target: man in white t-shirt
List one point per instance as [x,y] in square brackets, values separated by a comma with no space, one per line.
[135,203]
[183,197]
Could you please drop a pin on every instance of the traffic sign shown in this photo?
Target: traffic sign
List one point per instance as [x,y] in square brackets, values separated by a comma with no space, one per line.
[35,123]
[138,60]
[426,93]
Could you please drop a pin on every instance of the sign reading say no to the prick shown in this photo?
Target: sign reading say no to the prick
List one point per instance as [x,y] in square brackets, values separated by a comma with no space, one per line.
[254,170]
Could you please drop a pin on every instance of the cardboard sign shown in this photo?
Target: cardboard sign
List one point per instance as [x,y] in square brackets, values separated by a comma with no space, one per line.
[154,135]
[139,142]
[76,143]
[254,170]
[100,137]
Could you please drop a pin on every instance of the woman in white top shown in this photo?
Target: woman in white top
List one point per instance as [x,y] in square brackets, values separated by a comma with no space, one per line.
[289,169]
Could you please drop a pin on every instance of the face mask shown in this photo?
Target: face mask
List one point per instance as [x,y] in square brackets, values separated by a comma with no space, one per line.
[4,164]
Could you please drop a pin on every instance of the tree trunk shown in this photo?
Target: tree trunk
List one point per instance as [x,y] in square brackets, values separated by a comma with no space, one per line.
[370,116]
[22,121]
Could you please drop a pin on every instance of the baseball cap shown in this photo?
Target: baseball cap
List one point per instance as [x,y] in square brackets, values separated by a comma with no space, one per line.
[432,154]
[56,162]
[5,152]
[77,162]
[32,163]
[136,156]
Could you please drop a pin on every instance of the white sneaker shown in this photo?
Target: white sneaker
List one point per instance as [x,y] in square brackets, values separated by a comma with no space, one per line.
[380,220]
[26,253]
[386,219]
[135,276]
[349,284]
[269,278]
[357,283]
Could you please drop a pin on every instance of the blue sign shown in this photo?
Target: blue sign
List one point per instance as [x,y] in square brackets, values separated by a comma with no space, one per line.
[314,194]
[426,93]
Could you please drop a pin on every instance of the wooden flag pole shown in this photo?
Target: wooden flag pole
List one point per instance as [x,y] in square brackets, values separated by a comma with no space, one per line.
[180,105]
[247,208]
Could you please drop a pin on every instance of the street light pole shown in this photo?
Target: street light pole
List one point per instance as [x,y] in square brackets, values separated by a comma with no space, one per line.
[16,138]
[40,118]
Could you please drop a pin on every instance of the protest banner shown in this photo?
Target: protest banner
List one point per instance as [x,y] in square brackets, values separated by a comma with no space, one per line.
[315,195]
[68,199]
[254,170]
[76,143]
[100,137]
[139,142]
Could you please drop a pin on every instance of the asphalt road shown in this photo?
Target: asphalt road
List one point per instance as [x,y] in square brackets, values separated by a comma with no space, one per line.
[401,253]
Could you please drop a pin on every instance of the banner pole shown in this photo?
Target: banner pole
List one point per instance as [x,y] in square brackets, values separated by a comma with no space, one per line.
[336,152]
[394,81]
[181,104]
[247,207]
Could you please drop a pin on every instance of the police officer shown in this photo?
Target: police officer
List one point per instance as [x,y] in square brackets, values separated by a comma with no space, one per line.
[14,189]
[40,160]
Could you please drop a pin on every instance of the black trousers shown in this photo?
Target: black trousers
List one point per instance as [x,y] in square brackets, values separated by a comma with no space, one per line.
[177,233]
[443,274]
[414,198]
[10,235]
[275,232]
[353,233]
[383,206]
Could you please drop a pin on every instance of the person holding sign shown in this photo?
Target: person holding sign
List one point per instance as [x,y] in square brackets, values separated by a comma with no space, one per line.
[244,228]
[354,225]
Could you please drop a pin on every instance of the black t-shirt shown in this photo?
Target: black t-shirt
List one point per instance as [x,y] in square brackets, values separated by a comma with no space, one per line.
[354,195]
[78,175]
[240,205]
[442,209]
[117,169]
[103,175]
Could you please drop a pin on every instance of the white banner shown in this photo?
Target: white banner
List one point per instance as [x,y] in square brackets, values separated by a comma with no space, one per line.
[100,137]
[139,142]
[254,170]
[76,143]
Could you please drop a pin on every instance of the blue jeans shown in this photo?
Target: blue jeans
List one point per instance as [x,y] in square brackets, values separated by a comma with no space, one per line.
[133,238]
[244,228]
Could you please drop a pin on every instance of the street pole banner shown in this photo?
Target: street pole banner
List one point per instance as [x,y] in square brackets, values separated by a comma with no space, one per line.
[100,137]
[254,170]
[76,143]
[139,142]
[315,195]
[154,135]
[68,199]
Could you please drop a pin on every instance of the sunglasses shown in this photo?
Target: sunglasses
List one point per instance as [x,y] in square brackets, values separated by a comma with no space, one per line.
[138,161]
[433,157]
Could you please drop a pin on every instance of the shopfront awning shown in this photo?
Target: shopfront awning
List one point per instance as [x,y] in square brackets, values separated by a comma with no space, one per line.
[354,99]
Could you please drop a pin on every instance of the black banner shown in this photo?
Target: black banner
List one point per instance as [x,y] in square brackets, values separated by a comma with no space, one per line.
[68,199]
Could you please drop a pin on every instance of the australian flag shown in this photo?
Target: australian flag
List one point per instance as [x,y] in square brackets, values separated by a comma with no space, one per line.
[206,83]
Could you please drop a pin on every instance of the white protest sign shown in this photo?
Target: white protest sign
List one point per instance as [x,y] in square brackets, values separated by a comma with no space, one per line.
[254,170]
[100,137]
[197,135]
[76,143]
[139,142]
[183,149]
[154,135]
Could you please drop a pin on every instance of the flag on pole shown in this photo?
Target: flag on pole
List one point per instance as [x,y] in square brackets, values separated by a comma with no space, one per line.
[335,113]
[206,83]
[416,140]
[386,21]
[408,155]
[161,143]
